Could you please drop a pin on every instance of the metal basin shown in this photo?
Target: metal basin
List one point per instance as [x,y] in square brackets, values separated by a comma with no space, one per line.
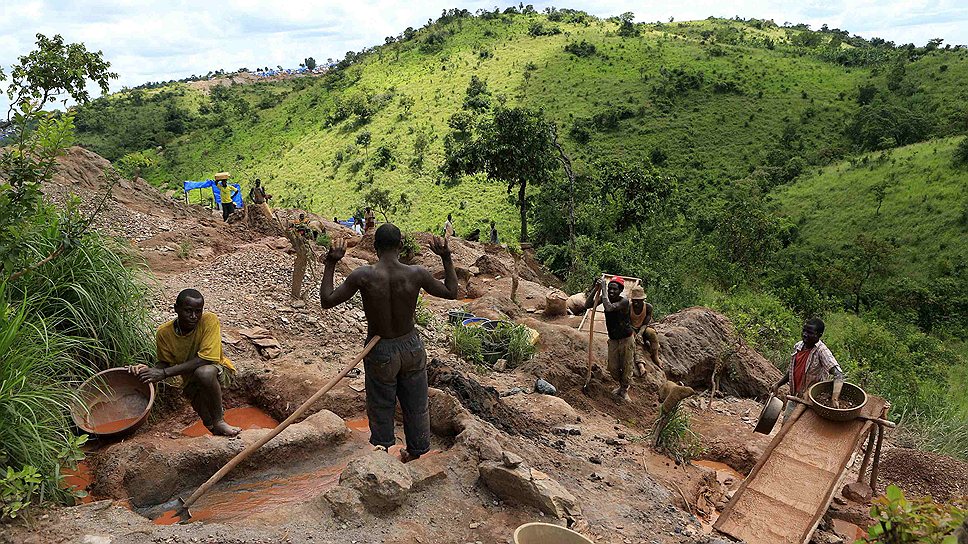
[769,415]
[850,392]
[115,403]
[546,533]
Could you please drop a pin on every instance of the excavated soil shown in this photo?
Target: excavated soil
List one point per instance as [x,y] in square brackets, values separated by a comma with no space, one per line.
[921,473]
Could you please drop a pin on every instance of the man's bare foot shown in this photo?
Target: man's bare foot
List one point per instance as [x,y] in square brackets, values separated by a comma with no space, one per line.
[406,457]
[221,428]
[622,394]
[640,370]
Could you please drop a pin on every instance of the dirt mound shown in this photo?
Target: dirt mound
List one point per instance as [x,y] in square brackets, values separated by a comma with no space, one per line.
[921,473]
[695,340]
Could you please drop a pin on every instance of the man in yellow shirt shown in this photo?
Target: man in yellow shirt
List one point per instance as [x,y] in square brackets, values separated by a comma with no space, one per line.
[226,192]
[190,346]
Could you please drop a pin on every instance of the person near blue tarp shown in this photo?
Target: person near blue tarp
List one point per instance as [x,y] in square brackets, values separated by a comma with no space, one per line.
[227,193]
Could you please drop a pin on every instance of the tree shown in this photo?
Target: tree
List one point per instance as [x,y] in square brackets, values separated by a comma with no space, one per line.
[310,64]
[53,70]
[515,146]
[867,258]
[477,98]
[380,201]
[635,192]
[363,139]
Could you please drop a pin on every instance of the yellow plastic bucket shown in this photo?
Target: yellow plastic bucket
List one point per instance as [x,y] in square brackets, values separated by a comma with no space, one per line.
[546,533]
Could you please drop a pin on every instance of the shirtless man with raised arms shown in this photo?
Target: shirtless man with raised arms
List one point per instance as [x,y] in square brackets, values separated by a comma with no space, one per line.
[396,368]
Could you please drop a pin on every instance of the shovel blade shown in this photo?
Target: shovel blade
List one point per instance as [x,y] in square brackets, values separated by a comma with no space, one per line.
[170,513]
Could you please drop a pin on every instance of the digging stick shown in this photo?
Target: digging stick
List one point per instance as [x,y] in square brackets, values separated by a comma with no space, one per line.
[591,340]
[182,509]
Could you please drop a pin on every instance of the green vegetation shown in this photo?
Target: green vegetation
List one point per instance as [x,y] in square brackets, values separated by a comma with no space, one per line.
[484,346]
[901,520]
[71,301]
[673,436]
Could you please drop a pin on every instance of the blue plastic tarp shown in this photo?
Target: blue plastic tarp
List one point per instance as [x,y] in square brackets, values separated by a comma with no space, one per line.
[210,184]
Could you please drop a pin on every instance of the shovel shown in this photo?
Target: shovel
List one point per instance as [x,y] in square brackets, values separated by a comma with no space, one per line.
[177,510]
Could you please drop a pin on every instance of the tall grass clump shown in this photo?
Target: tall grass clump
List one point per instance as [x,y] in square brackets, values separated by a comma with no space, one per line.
[39,375]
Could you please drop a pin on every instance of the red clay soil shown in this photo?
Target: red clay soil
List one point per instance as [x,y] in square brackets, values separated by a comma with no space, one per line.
[921,473]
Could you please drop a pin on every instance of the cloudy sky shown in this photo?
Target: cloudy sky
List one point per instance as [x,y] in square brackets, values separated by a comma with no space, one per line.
[153,40]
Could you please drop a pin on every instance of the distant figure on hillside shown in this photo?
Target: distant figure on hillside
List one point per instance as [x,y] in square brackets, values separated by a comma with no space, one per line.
[640,316]
[358,226]
[301,225]
[369,220]
[396,368]
[226,192]
[810,363]
[258,194]
[190,346]
[474,236]
[448,227]
[493,238]
[621,345]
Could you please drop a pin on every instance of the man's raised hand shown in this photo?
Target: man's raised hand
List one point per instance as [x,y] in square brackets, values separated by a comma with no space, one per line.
[440,246]
[336,251]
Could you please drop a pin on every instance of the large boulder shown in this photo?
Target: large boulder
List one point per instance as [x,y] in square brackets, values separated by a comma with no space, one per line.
[382,481]
[513,480]
[693,341]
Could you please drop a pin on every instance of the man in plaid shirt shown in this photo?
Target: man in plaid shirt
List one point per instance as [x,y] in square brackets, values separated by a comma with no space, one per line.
[810,363]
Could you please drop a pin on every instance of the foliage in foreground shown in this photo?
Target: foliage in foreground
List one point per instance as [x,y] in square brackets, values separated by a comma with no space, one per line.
[899,520]
[70,303]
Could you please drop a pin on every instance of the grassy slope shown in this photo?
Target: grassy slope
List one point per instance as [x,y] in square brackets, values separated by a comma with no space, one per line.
[707,135]
[925,210]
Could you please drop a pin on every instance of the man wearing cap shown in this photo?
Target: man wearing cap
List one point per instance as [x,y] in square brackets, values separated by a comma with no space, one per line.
[621,344]
[640,316]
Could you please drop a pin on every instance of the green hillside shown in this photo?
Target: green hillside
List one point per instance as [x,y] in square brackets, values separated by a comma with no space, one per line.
[714,99]
[912,196]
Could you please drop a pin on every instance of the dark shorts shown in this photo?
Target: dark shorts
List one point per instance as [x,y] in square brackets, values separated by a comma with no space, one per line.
[397,369]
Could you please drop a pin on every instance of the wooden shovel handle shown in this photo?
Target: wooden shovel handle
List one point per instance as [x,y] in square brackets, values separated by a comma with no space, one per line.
[280,427]
[591,336]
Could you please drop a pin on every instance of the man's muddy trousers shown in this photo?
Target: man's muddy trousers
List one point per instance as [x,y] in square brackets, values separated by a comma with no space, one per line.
[397,369]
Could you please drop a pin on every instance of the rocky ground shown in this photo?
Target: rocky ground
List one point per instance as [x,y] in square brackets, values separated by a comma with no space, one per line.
[503,454]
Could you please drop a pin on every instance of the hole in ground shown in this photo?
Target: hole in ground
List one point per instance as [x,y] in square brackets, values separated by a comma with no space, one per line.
[173,454]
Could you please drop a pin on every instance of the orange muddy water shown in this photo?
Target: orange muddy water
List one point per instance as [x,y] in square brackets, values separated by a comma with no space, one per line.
[78,479]
[245,417]
[253,498]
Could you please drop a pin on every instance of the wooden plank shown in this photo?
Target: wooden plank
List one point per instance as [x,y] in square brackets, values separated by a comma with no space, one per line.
[793,483]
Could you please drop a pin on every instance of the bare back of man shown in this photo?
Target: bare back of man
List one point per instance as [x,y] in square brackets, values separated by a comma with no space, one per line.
[396,367]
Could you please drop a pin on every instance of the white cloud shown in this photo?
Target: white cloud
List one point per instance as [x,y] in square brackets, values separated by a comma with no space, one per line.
[155,40]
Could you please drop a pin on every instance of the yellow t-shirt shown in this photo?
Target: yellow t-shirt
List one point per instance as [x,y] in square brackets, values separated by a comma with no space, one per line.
[225,193]
[205,341]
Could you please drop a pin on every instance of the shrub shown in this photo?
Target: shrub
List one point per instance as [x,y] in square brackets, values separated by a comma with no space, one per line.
[900,520]
[673,436]
[961,153]
[538,28]
[580,49]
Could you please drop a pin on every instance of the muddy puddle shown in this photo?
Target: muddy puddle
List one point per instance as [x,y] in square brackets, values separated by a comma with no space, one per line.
[271,495]
[727,475]
[245,417]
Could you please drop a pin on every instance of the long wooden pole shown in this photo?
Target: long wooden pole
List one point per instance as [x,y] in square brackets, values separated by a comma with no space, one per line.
[591,339]
[280,427]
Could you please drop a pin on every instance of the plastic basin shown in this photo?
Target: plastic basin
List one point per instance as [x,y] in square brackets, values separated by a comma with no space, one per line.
[115,403]
[475,322]
[456,317]
[546,533]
